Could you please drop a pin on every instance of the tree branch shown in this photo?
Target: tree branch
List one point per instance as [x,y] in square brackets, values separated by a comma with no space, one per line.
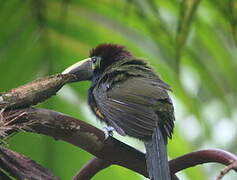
[76,132]
[92,140]
[35,91]
[200,157]
[22,167]
[91,168]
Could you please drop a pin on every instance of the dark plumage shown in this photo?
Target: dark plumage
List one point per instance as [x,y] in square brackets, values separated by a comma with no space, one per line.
[110,53]
[133,82]
[129,96]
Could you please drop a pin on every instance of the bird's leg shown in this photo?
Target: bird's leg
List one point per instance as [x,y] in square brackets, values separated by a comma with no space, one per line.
[108,130]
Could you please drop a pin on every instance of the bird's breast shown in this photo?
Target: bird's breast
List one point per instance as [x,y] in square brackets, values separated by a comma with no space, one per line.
[98,113]
[93,105]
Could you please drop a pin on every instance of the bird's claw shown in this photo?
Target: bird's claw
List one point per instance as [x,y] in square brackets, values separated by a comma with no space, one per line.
[108,131]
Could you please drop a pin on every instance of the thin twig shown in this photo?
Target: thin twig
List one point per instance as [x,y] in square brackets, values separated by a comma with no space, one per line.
[226,170]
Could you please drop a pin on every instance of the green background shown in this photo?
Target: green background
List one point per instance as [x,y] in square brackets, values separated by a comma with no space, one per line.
[191,43]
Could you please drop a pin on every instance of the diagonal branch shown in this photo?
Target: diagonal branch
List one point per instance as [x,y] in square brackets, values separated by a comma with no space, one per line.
[35,92]
[91,168]
[21,167]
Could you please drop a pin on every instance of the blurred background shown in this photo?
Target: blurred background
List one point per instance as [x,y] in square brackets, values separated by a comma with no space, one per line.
[191,43]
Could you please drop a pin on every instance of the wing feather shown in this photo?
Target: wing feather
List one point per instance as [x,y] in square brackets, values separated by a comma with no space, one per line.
[136,110]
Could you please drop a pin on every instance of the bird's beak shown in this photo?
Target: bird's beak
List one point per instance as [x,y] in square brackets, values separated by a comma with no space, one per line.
[82,69]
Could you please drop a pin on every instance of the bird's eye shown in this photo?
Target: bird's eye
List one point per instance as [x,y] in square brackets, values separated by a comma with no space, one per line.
[94,59]
[96,62]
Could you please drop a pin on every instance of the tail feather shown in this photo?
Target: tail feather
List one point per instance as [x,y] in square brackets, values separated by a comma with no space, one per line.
[156,157]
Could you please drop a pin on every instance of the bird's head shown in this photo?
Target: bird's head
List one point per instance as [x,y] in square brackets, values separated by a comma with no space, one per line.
[100,58]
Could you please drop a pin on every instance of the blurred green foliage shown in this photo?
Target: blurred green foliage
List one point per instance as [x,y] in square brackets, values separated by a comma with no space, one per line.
[191,43]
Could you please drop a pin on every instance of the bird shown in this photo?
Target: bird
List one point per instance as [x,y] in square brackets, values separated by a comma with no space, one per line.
[128,95]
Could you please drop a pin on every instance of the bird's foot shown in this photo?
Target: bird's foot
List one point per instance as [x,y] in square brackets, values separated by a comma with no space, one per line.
[108,131]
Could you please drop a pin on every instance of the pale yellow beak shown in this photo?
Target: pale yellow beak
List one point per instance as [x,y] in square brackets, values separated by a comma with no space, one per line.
[82,69]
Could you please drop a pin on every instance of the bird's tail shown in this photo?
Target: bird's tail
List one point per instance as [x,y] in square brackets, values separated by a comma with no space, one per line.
[156,157]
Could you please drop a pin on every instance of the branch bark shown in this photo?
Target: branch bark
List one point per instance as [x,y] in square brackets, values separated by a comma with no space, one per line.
[35,91]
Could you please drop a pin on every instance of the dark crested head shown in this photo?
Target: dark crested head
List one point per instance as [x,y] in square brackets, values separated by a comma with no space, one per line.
[109,53]
[100,58]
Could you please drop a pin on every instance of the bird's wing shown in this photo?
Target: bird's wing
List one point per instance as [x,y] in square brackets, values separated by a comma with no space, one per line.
[136,106]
